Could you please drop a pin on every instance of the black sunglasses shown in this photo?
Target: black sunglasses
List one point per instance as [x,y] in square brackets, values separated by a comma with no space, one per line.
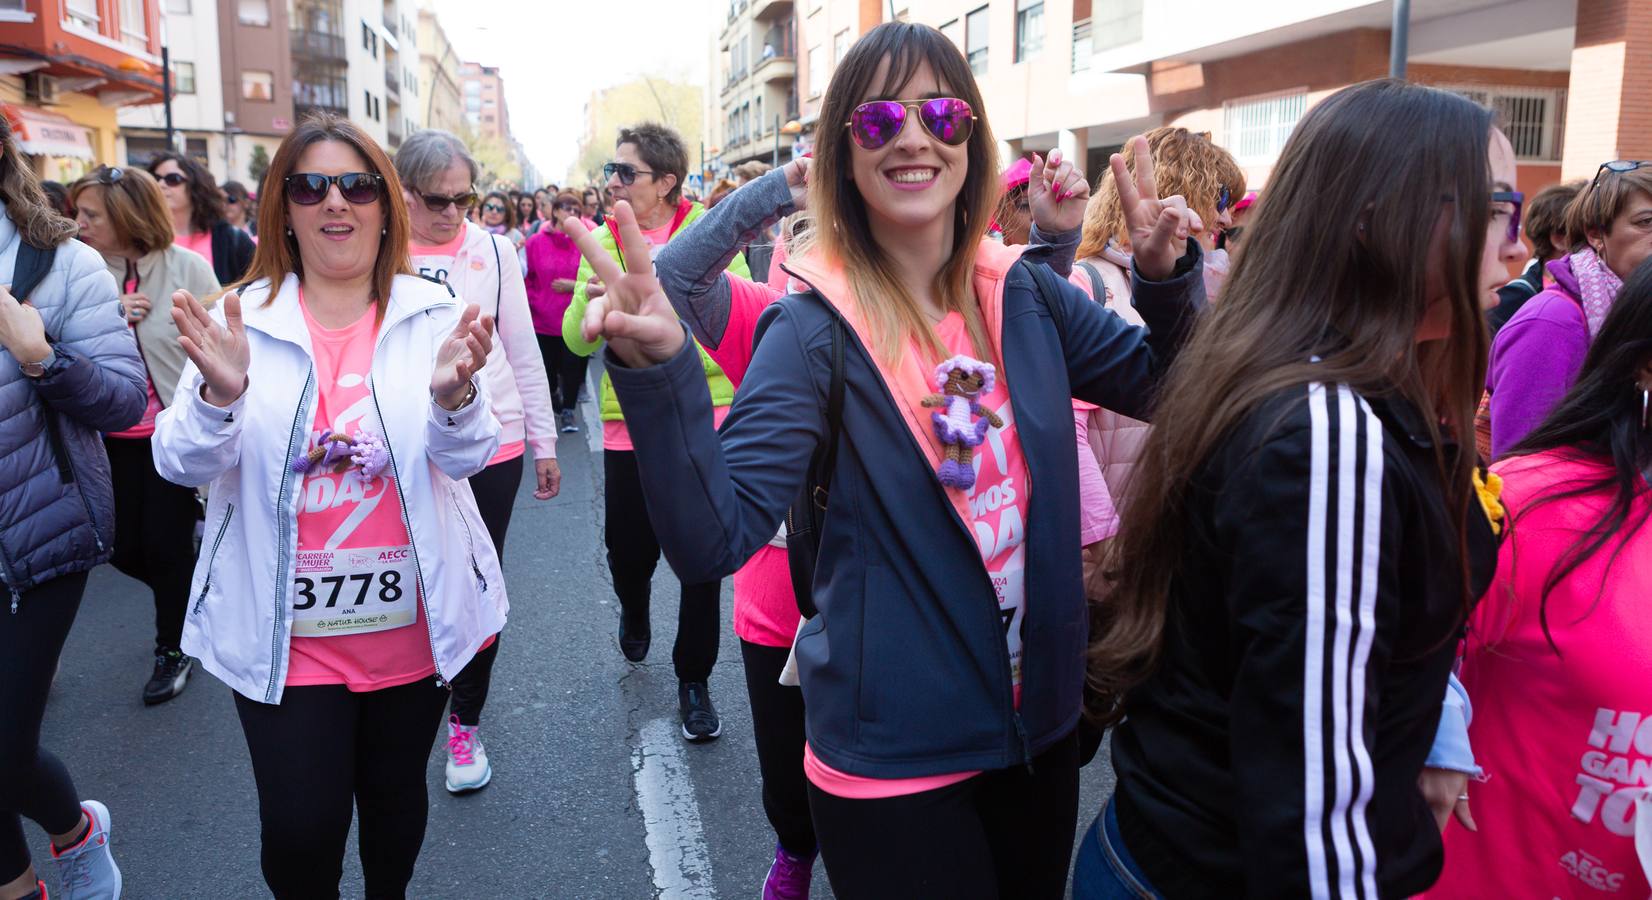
[437,203]
[174,179]
[357,188]
[1618,167]
[627,173]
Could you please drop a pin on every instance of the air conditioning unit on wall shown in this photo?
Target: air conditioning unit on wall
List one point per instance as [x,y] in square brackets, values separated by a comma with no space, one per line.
[39,89]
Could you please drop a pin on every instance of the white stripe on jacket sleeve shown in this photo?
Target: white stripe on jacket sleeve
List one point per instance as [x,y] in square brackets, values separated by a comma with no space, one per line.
[1338,643]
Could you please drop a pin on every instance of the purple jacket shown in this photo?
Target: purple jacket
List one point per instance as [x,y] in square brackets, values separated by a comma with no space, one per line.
[1535,358]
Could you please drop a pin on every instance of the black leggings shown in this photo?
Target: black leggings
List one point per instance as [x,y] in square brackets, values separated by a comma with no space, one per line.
[634,551]
[1001,834]
[495,489]
[33,782]
[322,749]
[565,368]
[154,533]
[777,724]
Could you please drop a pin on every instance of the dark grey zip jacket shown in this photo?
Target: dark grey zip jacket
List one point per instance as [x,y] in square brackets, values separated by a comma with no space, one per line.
[905,671]
[57,511]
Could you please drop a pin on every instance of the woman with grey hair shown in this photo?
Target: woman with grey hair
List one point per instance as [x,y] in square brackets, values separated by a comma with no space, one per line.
[438,178]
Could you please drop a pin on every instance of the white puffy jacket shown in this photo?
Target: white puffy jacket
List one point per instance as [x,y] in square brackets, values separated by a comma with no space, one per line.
[240,613]
[487,272]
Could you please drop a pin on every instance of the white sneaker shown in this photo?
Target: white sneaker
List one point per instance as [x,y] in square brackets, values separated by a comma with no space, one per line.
[467,759]
[87,871]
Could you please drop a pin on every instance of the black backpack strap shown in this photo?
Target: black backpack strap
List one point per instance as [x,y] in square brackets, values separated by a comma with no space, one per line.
[827,463]
[1098,285]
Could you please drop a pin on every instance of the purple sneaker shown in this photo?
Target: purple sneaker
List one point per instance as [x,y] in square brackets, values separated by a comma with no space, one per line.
[789,876]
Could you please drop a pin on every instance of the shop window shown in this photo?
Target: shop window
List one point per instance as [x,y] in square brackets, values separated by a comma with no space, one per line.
[1256,129]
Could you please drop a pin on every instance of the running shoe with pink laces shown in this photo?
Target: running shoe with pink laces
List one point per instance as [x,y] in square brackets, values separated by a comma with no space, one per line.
[467,759]
[87,871]
[789,876]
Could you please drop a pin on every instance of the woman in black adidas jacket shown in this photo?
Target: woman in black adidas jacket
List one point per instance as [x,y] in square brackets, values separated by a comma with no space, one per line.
[1303,539]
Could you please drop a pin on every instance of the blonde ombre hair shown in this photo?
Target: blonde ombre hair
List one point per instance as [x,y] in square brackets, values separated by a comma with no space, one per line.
[1185,164]
[841,229]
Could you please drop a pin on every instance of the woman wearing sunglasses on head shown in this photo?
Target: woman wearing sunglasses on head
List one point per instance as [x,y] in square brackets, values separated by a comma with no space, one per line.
[482,268]
[346,577]
[123,216]
[942,755]
[1302,538]
[199,215]
[1536,355]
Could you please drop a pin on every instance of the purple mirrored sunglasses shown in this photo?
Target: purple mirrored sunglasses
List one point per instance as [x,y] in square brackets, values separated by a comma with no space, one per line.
[875,123]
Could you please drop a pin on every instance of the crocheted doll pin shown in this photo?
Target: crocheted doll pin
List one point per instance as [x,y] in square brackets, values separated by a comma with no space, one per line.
[365,452]
[960,381]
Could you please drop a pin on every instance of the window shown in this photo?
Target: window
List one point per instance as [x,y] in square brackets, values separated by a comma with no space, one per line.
[15,6]
[256,85]
[134,30]
[954,30]
[1115,23]
[758,115]
[975,40]
[183,77]
[1533,118]
[473,88]
[817,71]
[369,40]
[1029,28]
[178,7]
[840,47]
[84,12]
[253,12]
[1256,130]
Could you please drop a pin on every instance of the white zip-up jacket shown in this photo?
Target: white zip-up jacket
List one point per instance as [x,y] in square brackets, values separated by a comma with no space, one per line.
[240,613]
[487,272]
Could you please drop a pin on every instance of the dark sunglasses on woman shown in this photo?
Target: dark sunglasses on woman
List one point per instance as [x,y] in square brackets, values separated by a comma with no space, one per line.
[947,119]
[627,173]
[493,207]
[174,179]
[437,203]
[357,188]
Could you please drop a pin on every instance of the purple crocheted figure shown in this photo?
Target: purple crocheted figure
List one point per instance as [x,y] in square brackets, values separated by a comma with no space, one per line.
[960,380]
[336,451]
[369,454]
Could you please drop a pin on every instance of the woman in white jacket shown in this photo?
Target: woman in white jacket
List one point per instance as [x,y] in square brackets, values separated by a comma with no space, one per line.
[345,578]
[483,268]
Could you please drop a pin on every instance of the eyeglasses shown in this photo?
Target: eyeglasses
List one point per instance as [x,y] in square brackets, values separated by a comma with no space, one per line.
[108,175]
[357,188]
[1518,201]
[1618,167]
[437,203]
[948,119]
[492,207]
[1224,200]
[627,173]
[174,179]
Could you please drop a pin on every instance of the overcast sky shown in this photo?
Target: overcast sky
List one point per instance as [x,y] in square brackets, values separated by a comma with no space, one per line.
[554,53]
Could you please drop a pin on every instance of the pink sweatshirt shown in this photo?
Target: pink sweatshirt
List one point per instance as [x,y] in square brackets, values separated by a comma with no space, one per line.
[1565,739]
[551,255]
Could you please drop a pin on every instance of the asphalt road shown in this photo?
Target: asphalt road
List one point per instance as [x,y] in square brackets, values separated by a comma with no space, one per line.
[594,793]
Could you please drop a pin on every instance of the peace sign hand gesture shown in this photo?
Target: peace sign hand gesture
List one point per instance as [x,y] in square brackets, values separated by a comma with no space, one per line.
[220,352]
[1158,228]
[633,314]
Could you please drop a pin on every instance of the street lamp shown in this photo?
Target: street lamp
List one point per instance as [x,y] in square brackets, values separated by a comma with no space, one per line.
[792,127]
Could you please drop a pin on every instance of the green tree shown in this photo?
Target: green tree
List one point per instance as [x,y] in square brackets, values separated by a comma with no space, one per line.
[257,165]
[647,99]
[496,159]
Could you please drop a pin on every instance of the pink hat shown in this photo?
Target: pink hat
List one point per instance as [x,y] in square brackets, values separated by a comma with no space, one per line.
[1016,175]
[1245,201]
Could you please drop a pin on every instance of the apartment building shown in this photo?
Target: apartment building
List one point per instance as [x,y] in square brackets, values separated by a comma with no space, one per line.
[756,82]
[485,109]
[404,114]
[191,35]
[827,29]
[439,93]
[66,67]
[1084,75]
[256,65]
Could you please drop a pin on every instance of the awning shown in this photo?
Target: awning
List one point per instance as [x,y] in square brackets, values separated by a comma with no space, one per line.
[42,133]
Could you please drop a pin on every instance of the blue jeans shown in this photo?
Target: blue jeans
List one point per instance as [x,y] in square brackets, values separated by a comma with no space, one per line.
[1105,870]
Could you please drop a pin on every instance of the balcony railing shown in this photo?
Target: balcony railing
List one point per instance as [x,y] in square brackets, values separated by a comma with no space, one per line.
[318,45]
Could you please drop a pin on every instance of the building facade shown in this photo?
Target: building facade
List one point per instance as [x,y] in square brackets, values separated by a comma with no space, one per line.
[257,65]
[485,110]
[439,94]
[190,30]
[403,112]
[755,82]
[66,67]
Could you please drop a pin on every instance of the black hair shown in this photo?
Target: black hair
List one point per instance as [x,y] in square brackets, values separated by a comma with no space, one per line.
[206,205]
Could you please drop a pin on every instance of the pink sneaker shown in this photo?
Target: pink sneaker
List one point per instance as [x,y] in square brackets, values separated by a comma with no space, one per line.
[467,759]
[789,876]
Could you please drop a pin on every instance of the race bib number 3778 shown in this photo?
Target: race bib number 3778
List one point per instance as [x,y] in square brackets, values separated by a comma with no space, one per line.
[354,591]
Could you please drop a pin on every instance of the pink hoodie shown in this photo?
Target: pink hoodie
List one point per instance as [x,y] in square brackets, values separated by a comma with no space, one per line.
[1565,739]
[551,255]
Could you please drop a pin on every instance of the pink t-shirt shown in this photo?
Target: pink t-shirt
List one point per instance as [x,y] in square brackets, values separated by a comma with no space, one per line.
[200,242]
[997,504]
[358,619]
[435,261]
[1566,740]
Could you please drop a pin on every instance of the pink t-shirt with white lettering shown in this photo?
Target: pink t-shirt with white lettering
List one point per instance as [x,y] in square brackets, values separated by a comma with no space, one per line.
[1566,740]
[997,519]
[342,512]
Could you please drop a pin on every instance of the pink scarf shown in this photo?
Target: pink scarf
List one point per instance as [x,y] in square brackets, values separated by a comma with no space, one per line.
[1598,284]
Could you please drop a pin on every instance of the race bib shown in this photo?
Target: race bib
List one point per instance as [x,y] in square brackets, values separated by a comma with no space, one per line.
[356,591]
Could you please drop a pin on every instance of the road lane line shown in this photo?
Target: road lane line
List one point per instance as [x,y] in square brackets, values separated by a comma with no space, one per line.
[671,816]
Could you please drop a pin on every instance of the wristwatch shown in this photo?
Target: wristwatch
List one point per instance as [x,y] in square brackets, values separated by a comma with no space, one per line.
[38,369]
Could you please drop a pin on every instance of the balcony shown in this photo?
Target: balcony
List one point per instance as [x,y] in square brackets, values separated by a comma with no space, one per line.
[763,10]
[392,87]
[318,45]
[776,68]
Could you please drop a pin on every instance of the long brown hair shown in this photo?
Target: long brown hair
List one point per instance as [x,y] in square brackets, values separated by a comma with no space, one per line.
[37,222]
[844,235]
[1331,288]
[277,252]
[137,208]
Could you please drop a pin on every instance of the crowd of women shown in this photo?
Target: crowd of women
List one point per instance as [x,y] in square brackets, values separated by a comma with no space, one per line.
[1331,528]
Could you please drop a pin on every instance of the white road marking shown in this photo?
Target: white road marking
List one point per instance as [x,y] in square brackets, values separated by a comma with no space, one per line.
[670,815]
[589,408]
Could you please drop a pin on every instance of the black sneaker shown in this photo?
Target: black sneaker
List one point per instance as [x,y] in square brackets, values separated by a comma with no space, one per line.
[700,721]
[172,669]
[567,421]
[634,638]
